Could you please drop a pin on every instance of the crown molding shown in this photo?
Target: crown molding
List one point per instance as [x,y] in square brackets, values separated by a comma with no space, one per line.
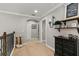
[25,15]
[51,10]
[18,14]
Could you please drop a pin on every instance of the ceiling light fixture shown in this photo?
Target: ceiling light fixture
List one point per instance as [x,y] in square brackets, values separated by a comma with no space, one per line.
[36,11]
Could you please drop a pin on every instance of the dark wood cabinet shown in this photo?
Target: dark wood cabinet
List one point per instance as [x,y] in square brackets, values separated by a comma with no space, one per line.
[58,46]
[65,46]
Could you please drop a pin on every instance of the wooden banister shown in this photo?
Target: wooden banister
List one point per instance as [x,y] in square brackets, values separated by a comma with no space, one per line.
[20,40]
[4,44]
[7,43]
[16,40]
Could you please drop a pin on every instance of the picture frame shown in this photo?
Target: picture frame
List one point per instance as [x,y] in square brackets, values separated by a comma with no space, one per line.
[72,10]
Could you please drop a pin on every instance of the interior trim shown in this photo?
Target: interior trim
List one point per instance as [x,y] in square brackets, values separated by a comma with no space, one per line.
[18,14]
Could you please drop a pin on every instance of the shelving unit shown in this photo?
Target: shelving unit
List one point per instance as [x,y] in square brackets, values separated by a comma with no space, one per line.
[67,20]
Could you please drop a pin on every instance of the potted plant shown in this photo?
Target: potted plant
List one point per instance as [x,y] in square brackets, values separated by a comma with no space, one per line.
[57,24]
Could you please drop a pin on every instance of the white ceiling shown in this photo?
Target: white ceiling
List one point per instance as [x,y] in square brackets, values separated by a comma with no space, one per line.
[27,8]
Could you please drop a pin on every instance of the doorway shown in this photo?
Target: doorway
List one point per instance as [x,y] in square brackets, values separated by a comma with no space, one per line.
[43,31]
[35,32]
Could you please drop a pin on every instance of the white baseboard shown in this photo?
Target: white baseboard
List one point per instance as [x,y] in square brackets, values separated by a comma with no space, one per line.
[50,47]
[12,52]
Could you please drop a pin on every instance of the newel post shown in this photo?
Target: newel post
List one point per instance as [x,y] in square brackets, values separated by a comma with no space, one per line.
[4,44]
[20,40]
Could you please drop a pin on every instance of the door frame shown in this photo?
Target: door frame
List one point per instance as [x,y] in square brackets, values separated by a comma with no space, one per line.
[45,31]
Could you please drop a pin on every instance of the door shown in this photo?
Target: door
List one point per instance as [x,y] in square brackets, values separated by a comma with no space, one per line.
[43,31]
[34,32]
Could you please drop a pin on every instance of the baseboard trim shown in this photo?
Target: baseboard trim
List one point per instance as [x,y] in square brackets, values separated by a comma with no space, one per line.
[12,52]
[50,47]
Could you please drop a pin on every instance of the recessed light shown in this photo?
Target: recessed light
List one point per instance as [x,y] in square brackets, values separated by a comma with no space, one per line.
[36,11]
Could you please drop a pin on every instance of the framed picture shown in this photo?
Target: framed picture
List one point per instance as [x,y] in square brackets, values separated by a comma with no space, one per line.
[72,10]
[34,26]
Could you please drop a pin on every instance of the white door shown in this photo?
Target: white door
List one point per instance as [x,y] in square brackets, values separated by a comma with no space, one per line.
[34,32]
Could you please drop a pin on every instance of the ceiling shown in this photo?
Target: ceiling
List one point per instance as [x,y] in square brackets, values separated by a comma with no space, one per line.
[27,8]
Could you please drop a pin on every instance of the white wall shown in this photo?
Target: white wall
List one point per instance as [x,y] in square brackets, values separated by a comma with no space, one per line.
[10,23]
[19,24]
[51,32]
[23,28]
[59,14]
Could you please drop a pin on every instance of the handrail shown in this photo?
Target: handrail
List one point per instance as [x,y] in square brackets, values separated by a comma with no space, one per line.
[7,43]
[4,44]
[1,37]
[10,34]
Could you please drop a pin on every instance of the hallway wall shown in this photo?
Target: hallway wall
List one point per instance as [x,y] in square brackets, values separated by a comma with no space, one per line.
[51,32]
[10,23]
[59,14]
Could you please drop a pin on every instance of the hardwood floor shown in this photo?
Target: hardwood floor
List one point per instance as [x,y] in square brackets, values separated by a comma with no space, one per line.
[33,49]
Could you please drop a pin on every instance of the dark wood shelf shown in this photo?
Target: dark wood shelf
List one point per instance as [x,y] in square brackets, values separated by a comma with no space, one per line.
[71,19]
[67,28]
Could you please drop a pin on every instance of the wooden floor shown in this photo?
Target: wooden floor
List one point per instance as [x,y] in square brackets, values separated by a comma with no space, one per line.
[33,49]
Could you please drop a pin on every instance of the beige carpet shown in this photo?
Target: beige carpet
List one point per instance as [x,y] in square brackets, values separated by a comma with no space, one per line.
[33,49]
